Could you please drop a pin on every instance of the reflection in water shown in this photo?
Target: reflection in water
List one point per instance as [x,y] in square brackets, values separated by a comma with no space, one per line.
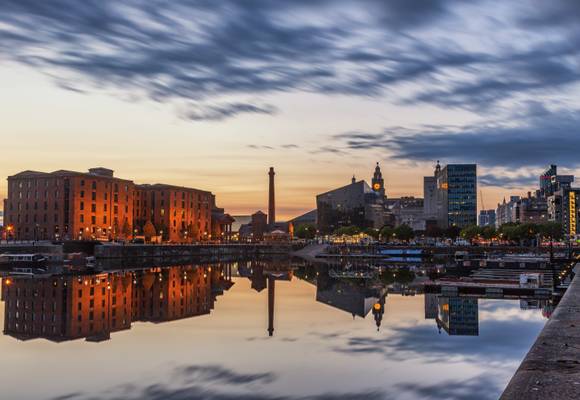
[60,308]
[67,307]
[380,323]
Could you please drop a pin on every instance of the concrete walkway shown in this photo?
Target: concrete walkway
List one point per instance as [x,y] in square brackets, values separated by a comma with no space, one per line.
[310,252]
[551,369]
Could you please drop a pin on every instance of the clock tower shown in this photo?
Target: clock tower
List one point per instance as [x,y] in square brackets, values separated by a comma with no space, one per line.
[378,183]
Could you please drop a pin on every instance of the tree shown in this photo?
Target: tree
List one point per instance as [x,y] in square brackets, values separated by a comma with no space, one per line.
[149,231]
[453,232]
[488,232]
[126,230]
[470,233]
[386,233]
[372,232]
[433,231]
[509,232]
[348,230]
[404,232]
[193,231]
[162,229]
[551,230]
[305,231]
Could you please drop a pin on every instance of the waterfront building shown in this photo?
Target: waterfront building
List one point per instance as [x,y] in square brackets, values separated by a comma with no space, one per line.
[486,218]
[221,222]
[563,207]
[457,191]
[430,196]
[533,209]
[409,211]
[550,181]
[508,211]
[354,204]
[69,205]
[179,214]
[307,218]
[256,228]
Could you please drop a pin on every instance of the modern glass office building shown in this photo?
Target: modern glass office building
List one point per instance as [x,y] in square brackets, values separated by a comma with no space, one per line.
[457,184]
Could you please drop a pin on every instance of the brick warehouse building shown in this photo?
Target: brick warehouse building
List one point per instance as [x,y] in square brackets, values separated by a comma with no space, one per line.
[178,213]
[71,205]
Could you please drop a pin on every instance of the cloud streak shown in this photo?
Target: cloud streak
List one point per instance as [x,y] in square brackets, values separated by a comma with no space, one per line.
[535,139]
[216,55]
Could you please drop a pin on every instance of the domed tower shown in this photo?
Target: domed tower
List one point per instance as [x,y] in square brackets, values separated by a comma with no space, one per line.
[378,183]
[437,169]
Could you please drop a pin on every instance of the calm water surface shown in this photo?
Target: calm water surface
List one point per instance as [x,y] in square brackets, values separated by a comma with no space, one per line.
[268,332]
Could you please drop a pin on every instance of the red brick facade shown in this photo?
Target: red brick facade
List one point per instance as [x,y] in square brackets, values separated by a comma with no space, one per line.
[96,205]
[182,214]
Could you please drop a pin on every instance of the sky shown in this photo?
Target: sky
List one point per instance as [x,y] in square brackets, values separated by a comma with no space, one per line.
[210,94]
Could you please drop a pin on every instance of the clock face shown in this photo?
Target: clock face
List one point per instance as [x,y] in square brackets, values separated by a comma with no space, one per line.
[377,186]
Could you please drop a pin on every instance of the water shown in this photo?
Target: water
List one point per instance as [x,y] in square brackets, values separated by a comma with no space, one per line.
[142,342]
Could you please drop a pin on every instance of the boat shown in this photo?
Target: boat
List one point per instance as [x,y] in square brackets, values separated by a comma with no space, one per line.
[28,272]
[9,259]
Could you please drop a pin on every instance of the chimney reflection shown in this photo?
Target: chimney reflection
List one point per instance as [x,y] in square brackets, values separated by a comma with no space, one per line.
[61,308]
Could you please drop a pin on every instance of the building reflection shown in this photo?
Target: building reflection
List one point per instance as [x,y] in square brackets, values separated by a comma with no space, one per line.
[264,275]
[458,315]
[61,308]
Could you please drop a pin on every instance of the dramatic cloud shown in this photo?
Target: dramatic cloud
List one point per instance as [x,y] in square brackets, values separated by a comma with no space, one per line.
[211,383]
[217,54]
[534,139]
[221,112]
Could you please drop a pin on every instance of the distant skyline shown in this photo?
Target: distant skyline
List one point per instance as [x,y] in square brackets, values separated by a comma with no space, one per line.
[211,94]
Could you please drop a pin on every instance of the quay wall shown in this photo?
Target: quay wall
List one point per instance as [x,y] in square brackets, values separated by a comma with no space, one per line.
[177,251]
[551,369]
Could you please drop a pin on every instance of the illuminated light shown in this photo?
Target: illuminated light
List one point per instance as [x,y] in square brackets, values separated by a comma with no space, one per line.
[86,282]
[377,306]
[8,282]
[446,307]
[572,210]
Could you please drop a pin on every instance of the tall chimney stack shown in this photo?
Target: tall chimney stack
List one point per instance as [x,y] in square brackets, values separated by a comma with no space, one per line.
[271,200]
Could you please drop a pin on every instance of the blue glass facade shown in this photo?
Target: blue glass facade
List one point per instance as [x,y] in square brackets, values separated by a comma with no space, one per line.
[458,185]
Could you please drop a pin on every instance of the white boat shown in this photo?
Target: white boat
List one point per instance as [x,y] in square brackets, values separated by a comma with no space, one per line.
[26,259]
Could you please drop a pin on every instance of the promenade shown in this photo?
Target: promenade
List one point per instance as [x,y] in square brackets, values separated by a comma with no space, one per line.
[551,369]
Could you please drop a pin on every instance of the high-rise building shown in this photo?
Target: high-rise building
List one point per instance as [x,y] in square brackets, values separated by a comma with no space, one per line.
[550,181]
[430,197]
[486,218]
[564,208]
[457,188]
